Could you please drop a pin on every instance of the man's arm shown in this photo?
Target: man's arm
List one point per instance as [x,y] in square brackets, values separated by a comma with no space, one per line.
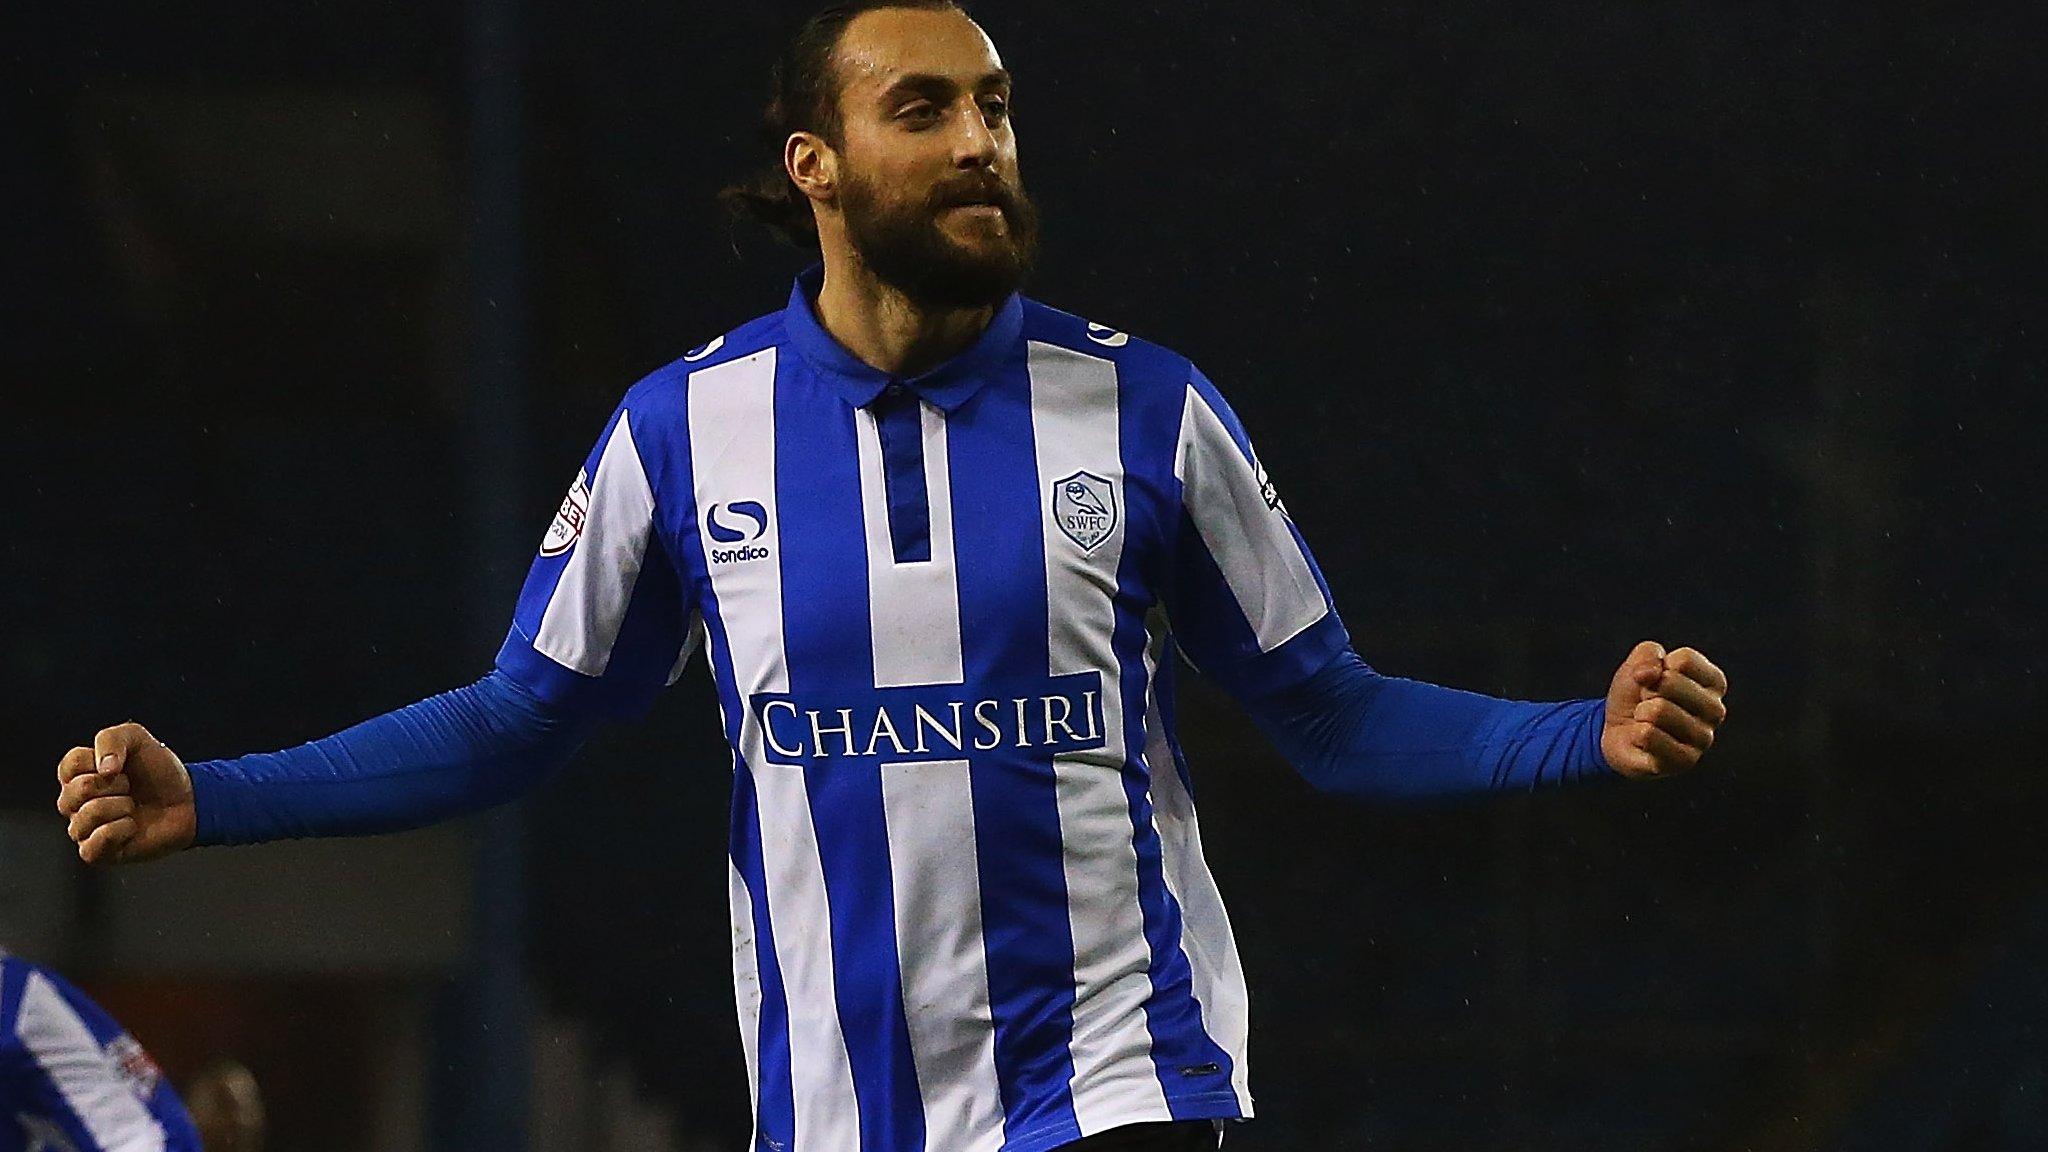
[448,755]
[600,627]
[1250,607]
[130,798]
[1348,729]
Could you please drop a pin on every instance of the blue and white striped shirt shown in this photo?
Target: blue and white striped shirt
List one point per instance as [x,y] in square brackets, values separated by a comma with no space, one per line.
[970,908]
[72,1080]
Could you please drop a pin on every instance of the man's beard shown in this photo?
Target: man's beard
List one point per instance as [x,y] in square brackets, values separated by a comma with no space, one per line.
[907,249]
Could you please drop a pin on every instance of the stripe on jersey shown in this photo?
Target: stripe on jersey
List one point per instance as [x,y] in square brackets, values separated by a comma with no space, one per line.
[930,809]
[1211,947]
[70,1056]
[772,1082]
[1075,430]
[914,607]
[914,620]
[1256,550]
[746,983]
[732,413]
[582,619]
[767,1026]
[1191,1066]
[829,649]
[1025,919]
[900,421]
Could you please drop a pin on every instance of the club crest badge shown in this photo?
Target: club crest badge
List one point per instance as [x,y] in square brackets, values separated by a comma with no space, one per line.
[1084,509]
[568,522]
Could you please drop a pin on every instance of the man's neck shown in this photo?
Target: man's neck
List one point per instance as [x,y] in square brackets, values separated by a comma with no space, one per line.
[888,331]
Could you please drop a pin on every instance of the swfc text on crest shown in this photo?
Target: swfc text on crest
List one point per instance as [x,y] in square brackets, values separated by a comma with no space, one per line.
[1084,509]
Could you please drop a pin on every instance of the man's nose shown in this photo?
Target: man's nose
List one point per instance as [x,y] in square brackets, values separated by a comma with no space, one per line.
[974,142]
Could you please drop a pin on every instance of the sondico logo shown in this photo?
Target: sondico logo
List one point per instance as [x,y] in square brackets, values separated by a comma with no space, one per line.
[1106,336]
[738,523]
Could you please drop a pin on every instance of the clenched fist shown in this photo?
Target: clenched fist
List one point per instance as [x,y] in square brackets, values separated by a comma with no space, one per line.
[1662,711]
[128,797]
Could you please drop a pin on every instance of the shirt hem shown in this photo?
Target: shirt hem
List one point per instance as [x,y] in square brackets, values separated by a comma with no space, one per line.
[1200,1106]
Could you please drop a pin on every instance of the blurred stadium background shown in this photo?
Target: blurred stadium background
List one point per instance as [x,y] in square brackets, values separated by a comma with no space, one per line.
[1559,327]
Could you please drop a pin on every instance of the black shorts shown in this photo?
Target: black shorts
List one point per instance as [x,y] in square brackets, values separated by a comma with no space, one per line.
[1166,1136]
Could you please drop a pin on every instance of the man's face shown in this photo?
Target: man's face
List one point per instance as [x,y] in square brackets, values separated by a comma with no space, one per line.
[928,184]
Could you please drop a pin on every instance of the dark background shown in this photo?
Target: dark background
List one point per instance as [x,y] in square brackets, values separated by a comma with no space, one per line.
[1559,327]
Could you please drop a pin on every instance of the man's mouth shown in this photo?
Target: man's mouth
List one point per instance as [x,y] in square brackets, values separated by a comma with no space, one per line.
[986,211]
[974,201]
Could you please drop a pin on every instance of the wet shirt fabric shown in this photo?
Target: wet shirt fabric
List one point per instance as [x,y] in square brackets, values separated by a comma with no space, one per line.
[970,908]
[72,1079]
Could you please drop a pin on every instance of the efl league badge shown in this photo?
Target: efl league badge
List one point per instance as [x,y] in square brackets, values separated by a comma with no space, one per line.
[137,1070]
[1084,507]
[568,522]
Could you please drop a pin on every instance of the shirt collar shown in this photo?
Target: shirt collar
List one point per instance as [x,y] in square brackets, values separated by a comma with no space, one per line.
[947,386]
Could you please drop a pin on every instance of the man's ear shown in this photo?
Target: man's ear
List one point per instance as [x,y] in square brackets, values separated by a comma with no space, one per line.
[812,164]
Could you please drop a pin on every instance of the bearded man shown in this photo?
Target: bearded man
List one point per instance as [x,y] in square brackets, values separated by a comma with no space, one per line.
[943,546]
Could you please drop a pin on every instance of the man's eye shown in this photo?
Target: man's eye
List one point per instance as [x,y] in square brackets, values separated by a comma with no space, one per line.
[922,110]
[995,109]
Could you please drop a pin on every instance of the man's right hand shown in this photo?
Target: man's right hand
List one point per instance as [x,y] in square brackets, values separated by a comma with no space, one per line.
[128,797]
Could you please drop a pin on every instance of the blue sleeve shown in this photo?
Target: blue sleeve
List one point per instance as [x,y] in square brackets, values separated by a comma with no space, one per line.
[1349,730]
[447,755]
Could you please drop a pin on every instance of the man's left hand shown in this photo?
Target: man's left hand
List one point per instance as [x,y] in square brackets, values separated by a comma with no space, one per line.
[1663,709]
